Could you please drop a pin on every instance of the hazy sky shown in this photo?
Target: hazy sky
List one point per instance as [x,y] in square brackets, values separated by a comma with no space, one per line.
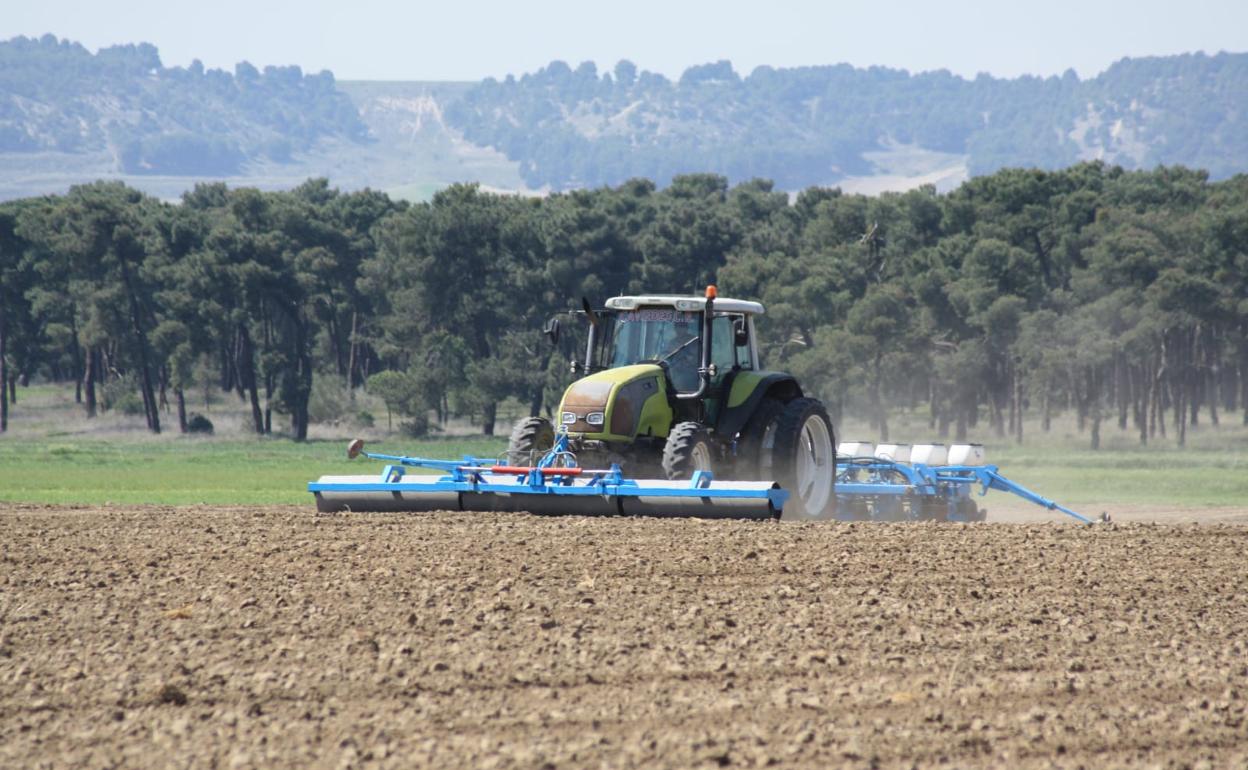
[465,40]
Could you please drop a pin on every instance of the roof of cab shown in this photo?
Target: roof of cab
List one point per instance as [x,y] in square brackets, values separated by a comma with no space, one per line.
[685,302]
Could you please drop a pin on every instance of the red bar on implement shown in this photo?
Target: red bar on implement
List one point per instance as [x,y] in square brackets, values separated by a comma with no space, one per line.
[545,471]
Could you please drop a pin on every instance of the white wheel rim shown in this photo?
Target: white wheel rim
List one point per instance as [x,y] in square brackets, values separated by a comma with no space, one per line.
[700,457]
[814,465]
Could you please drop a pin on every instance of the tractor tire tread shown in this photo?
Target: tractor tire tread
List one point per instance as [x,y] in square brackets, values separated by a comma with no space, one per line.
[679,447]
[750,453]
[788,429]
[530,438]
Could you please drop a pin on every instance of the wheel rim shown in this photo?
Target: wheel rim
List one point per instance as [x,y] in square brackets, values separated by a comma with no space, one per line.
[700,457]
[813,465]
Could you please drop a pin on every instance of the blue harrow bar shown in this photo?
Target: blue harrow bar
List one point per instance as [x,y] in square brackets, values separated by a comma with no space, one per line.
[554,485]
[877,489]
[867,489]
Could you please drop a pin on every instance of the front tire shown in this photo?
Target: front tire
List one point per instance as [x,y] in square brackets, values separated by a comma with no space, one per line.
[531,438]
[804,457]
[689,448]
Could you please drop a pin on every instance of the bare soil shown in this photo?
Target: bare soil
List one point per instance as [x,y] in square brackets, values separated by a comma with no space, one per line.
[239,637]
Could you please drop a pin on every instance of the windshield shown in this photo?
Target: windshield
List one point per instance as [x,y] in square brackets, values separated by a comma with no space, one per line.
[658,334]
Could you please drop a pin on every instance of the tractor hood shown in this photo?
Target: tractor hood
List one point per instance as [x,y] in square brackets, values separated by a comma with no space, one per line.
[617,404]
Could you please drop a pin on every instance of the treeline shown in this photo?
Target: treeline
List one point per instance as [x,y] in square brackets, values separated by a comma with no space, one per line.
[57,96]
[801,126]
[576,127]
[1118,296]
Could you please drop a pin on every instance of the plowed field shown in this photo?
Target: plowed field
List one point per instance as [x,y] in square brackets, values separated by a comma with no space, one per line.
[237,637]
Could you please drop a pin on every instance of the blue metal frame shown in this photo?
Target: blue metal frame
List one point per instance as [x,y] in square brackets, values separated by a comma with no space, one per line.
[867,488]
[474,475]
[875,488]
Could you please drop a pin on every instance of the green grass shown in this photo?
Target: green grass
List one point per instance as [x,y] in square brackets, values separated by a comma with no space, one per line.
[188,471]
[1163,476]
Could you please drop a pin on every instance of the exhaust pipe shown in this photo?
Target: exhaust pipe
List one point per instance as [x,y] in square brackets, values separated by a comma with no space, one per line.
[704,370]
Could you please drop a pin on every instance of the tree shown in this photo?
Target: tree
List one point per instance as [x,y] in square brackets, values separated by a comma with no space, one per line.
[1095,290]
[13,305]
[465,264]
[880,321]
[98,230]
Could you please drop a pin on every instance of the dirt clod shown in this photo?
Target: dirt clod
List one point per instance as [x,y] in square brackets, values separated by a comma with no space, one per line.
[171,694]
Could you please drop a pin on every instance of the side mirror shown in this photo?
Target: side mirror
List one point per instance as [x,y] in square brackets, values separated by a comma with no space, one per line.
[589,311]
[551,329]
[740,335]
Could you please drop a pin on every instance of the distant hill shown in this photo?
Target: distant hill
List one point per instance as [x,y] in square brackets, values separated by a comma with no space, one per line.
[821,125]
[68,116]
[57,96]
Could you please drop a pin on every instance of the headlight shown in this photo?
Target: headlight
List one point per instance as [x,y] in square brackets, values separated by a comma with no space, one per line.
[594,418]
[567,418]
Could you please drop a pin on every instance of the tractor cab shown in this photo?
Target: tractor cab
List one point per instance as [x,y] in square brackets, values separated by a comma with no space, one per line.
[699,343]
[654,361]
[673,384]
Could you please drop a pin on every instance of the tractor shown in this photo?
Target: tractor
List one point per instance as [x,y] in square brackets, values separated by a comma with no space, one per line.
[673,385]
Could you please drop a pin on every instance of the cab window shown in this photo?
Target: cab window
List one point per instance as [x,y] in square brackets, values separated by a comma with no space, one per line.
[725,353]
[743,351]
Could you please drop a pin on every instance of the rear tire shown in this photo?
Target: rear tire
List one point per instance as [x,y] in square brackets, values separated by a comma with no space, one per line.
[530,439]
[754,449]
[804,458]
[689,448]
